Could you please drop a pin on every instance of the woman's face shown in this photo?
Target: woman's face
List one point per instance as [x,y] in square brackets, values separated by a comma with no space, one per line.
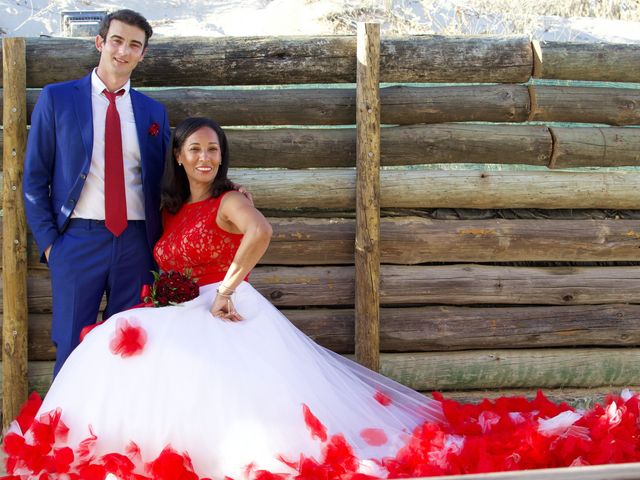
[200,157]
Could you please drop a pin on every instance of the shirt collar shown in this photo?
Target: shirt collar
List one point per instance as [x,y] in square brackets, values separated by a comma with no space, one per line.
[97,85]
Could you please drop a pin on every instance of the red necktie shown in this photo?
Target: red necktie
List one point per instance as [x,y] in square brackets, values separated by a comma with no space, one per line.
[115,200]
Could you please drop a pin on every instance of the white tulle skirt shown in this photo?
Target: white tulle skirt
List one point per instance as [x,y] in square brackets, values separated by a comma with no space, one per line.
[231,395]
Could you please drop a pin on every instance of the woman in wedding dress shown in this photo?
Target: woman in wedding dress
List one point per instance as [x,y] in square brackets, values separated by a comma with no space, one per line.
[223,385]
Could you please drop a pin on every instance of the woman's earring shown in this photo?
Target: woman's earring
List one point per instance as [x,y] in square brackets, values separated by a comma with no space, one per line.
[179,164]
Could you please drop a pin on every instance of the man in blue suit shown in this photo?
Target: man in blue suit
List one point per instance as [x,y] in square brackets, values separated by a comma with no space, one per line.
[65,190]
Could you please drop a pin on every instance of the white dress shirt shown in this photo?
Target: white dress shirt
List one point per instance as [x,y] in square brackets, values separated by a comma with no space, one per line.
[91,202]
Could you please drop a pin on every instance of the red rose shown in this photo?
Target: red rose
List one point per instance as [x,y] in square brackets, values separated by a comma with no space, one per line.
[154,129]
[171,288]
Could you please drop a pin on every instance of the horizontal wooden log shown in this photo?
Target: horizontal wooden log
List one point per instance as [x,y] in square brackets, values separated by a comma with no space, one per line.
[602,62]
[327,188]
[525,368]
[414,240]
[173,61]
[297,148]
[424,285]
[482,284]
[613,106]
[595,147]
[401,104]
[447,328]
[405,105]
[466,143]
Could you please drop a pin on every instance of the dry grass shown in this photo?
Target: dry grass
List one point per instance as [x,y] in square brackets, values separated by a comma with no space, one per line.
[453,17]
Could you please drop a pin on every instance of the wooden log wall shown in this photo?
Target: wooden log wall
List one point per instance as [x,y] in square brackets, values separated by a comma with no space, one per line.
[472,307]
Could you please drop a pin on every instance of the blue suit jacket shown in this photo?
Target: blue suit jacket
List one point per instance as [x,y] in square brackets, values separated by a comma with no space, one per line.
[58,157]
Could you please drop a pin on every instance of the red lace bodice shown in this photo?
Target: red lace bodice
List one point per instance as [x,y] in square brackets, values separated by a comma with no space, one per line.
[193,240]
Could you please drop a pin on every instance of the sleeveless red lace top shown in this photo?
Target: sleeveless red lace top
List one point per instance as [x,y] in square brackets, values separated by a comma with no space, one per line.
[193,240]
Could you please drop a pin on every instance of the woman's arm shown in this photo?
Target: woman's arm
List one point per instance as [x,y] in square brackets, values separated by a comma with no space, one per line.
[237,215]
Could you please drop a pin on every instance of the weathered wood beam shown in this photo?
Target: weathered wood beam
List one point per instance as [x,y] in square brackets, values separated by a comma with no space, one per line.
[325,188]
[367,241]
[613,106]
[413,240]
[602,62]
[556,147]
[14,229]
[175,61]
[424,285]
[401,104]
[523,368]
[444,328]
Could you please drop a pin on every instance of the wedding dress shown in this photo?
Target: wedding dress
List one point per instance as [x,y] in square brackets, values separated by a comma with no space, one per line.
[175,393]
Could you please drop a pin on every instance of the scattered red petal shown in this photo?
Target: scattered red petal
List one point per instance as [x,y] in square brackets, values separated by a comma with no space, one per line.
[382,398]
[317,429]
[128,339]
[28,411]
[374,436]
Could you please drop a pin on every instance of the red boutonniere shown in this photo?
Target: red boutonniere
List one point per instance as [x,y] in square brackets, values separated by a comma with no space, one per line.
[154,129]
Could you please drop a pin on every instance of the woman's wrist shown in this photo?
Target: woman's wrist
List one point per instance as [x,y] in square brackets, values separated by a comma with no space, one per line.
[225,291]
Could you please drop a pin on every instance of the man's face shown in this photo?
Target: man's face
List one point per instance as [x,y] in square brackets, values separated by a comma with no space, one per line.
[121,51]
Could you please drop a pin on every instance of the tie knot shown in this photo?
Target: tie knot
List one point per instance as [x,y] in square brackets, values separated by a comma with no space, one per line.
[112,96]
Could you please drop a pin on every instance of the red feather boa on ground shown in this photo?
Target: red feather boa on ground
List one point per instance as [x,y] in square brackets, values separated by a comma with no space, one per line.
[510,433]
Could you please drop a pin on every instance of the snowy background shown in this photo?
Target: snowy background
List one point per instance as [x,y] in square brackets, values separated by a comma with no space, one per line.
[579,20]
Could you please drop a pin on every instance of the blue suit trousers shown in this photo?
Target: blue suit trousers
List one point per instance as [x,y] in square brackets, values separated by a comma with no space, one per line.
[86,262]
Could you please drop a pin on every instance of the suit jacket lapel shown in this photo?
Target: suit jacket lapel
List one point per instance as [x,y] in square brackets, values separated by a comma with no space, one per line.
[84,112]
[142,124]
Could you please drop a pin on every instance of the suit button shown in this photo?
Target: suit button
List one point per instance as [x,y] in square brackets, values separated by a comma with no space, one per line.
[72,202]
[83,176]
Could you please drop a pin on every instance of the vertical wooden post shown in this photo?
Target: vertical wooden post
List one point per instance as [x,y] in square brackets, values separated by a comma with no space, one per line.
[367,247]
[14,226]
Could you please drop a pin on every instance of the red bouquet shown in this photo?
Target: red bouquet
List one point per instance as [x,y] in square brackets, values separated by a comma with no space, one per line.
[170,288]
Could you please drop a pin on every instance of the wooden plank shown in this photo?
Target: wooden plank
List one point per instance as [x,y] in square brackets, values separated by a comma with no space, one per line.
[614,106]
[297,148]
[604,62]
[451,59]
[466,143]
[14,241]
[595,147]
[335,188]
[448,328]
[524,368]
[444,328]
[333,286]
[406,105]
[509,189]
[401,104]
[367,241]
[484,284]
[174,61]
[412,240]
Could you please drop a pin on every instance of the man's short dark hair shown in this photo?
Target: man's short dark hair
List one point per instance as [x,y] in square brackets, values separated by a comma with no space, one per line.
[130,18]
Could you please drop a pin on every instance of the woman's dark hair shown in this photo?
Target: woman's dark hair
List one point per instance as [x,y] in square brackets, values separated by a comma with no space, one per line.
[175,184]
[130,18]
